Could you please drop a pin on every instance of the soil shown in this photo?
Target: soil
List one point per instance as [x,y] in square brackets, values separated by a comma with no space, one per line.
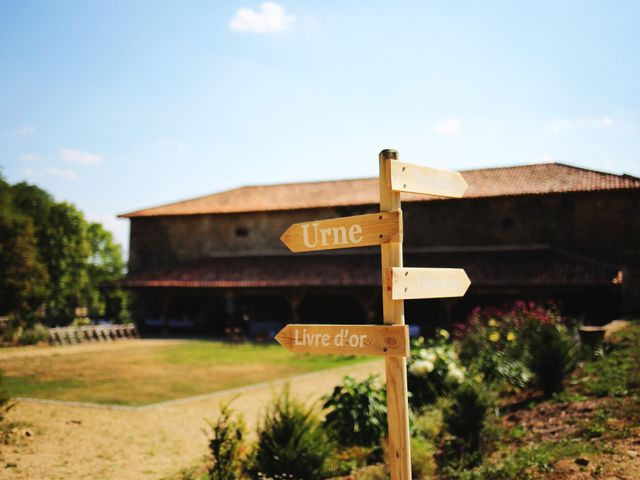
[555,421]
[56,441]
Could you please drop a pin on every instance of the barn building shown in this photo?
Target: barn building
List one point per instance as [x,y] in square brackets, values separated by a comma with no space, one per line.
[542,231]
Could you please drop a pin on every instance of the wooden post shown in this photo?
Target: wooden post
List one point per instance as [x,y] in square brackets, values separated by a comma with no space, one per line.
[393,314]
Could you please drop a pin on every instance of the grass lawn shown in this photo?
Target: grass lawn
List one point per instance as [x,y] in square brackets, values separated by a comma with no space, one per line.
[149,374]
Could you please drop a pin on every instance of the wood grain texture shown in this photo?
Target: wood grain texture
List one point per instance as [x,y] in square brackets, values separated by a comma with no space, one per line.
[344,232]
[406,177]
[408,283]
[399,456]
[346,339]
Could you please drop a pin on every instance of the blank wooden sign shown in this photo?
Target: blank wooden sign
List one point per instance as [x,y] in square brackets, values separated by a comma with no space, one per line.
[346,339]
[408,283]
[344,232]
[406,177]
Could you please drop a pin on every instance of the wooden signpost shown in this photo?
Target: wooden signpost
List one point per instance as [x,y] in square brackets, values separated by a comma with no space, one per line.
[346,339]
[398,284]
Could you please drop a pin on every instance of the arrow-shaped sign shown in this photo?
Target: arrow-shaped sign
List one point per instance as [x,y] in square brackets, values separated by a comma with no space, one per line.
[344,232]
[406,177]
[346,339]
[407,283]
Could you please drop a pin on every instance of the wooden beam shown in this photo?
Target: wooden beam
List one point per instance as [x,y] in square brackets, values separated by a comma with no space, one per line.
[399,453]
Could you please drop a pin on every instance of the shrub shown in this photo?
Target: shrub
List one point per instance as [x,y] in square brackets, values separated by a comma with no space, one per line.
[422,458]
[428,423]
[433,369]
[498,366]
[226,445]
[552,355]
[358,412]
[34,334]
[466,420]
[291,443]
[466,415]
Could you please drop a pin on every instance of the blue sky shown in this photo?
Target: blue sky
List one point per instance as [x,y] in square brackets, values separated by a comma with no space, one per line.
[116,106]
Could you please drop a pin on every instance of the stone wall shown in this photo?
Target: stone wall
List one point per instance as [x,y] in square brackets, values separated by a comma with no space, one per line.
[600,225]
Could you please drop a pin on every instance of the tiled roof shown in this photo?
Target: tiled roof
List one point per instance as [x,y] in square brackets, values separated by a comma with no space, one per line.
[489,182]
[522,267]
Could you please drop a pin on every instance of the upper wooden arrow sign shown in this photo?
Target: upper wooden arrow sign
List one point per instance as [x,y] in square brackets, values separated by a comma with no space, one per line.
[346,339]
[408,283]
[406,177]
[344,232]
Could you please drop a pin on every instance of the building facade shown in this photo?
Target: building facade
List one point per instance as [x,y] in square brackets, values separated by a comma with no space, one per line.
[540,232]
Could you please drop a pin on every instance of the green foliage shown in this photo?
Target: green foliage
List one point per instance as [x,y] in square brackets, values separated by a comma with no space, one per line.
[226,444]
[52,257]
[433,369]
[423,464]
[467,414]
[524,463]
[33,334]
[552,355]
[291,442]
[358,412]
[5,399]
[499,366]
[23,279]
[618,372]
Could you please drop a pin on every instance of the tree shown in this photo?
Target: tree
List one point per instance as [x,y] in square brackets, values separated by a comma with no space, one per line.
[76,258]
[105,265]
[24,278]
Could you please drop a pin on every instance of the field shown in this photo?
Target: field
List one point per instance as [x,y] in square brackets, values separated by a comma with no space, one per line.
[139,373]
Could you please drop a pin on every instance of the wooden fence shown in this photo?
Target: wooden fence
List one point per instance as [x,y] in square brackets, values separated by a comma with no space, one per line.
[91,333]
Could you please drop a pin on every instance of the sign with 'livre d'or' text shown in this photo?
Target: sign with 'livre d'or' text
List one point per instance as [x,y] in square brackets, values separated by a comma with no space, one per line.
[346,339]
[345,232]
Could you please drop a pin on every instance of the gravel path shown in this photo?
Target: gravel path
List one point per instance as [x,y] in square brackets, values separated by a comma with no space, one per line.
[75,442]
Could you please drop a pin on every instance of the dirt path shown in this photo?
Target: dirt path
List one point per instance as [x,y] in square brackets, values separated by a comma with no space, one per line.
[67,442]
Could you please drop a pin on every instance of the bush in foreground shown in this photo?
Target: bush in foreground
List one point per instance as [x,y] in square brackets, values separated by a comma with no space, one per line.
[358,412]
[291,442]
[553,355]
[226,444]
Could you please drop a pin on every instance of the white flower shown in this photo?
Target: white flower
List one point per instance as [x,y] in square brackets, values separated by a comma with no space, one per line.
[428,354]
[421,368]
[455,374]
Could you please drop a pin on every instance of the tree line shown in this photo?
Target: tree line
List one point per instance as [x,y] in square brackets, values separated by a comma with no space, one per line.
[53,261]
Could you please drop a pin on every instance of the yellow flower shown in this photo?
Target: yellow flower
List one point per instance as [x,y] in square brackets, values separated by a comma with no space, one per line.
[494,337]
[511,337]
[493,322]
[443,333]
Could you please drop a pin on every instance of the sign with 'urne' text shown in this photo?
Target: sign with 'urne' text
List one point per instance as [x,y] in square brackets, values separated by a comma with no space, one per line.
[398,284]
[346,339]
[344,232]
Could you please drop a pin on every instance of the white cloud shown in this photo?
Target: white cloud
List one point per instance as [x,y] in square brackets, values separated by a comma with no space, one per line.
[29,157]
[24,130]
[80,157]
[31,173]
[270,19]
[561,124]
[448,126]
[62,173]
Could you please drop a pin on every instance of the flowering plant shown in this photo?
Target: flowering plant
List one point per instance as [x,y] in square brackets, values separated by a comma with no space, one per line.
[496,341]
[433,368]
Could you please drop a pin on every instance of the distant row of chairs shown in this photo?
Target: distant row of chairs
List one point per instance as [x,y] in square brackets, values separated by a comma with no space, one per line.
[91,333]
